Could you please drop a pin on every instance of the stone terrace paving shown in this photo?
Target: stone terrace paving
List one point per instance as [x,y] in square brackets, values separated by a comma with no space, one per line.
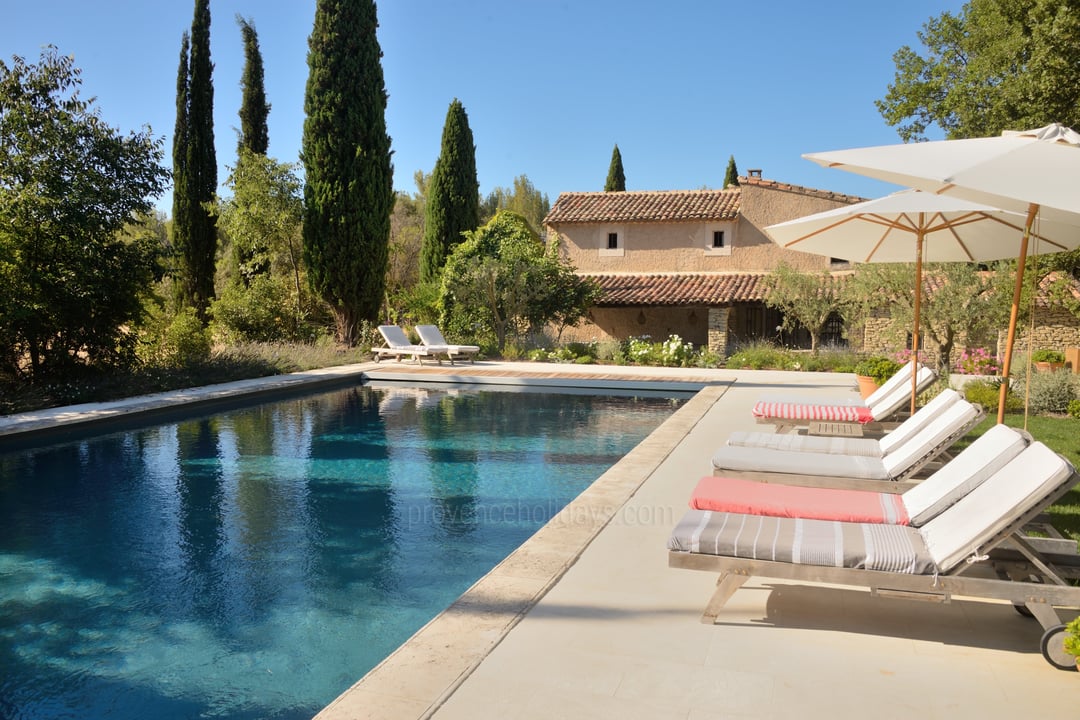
[587,621]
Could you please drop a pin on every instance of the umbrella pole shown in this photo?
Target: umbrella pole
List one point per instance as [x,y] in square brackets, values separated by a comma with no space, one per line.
[918,307]
[1033,210]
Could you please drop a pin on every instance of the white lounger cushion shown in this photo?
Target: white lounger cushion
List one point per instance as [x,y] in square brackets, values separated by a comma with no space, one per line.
[887,404]
[432,336]
[953,419]
[982,514]
[866,447]
[903,375]
[977,462]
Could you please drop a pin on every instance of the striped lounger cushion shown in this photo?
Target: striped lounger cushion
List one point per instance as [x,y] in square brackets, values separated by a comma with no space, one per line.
[829,413]
[861,546]
[735,495]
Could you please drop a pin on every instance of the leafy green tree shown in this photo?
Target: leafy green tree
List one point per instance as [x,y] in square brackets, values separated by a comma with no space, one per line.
[523,198]
[616,179]
[993,66]
[254,109]
[70,285]
[805,299]
[262,219]
[501,283]
[195,179]
[349,194]
[453,194]
[731,175]
[959,302]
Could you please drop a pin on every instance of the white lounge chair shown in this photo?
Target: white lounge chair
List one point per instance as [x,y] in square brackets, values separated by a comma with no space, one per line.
[787,414]
[955,553]
[984,457]
[398,346]
[870,447]
[430,335]
[889,473]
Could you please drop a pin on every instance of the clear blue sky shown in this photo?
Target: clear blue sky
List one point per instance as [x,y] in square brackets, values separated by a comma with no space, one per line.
[549,85]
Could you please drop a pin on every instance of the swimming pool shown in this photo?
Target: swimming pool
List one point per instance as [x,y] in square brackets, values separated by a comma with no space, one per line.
[255,563]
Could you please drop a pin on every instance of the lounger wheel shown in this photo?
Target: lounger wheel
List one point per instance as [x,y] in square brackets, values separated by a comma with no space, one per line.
[1053,649]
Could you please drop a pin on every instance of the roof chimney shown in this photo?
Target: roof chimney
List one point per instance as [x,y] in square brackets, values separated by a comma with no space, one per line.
[754,173]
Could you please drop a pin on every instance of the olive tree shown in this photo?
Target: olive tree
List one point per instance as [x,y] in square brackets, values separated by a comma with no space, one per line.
[805,299]
[503,284]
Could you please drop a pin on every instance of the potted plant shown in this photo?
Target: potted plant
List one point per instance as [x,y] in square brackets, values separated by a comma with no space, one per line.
[872,372]
[1072,640]
[1046,360]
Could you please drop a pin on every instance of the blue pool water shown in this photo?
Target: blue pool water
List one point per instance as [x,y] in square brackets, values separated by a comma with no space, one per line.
[256,562]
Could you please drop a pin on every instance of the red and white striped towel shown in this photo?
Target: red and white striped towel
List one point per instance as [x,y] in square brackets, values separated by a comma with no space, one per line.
[793,411]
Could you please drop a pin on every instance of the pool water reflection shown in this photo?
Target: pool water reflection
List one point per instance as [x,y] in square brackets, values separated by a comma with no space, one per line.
[255,563]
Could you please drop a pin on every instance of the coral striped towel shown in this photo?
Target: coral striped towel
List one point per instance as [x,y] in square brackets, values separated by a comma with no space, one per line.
[735,495]
[793,411]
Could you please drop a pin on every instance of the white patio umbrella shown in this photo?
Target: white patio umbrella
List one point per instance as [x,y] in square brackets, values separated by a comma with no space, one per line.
[1036,172]
[911,226]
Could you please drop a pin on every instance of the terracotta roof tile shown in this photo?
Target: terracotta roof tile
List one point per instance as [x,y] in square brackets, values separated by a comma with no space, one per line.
[788,187]
[679,288]
[648,206]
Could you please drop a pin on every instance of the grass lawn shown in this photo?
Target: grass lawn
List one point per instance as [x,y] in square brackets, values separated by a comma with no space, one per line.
[1061,435]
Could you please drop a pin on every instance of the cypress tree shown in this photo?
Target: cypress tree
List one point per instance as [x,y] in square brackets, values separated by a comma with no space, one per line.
[195,166]
[731,175]
[616,180]
[348,190]
[181,214]
[453,197]
[254,109]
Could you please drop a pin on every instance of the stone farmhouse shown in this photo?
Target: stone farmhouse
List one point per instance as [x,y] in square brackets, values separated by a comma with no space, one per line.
[687,262]
[692,263]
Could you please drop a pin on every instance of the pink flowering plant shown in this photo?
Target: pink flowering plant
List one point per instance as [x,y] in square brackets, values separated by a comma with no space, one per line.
[977,361]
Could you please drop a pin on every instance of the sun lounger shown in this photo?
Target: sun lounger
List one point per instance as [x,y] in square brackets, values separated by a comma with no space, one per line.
[984,457]
[398,346]
[870,447]
[788,414]
[901,377]
[889,473]
[955,553]
[431,335]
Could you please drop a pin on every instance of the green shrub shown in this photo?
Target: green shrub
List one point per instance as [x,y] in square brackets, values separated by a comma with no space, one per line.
[1072,637]
[1051,392]
[1046,355]
[878,367]
[174,342]
[265,311]
[1074,409]
[610,352]
[987,394]
[707,358]
[673,352]
[762,356]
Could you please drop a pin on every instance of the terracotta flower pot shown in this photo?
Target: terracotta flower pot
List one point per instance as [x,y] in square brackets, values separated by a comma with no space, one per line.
[867,385]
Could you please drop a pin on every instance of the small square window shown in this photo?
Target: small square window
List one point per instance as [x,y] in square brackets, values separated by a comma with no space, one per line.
[718,238]
[613,241]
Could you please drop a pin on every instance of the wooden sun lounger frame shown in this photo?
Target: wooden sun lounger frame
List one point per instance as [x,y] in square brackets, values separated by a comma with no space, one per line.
[907,480]
[415,352]
[1028,572]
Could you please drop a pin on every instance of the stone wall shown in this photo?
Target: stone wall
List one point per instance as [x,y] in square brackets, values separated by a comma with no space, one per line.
[692,324]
